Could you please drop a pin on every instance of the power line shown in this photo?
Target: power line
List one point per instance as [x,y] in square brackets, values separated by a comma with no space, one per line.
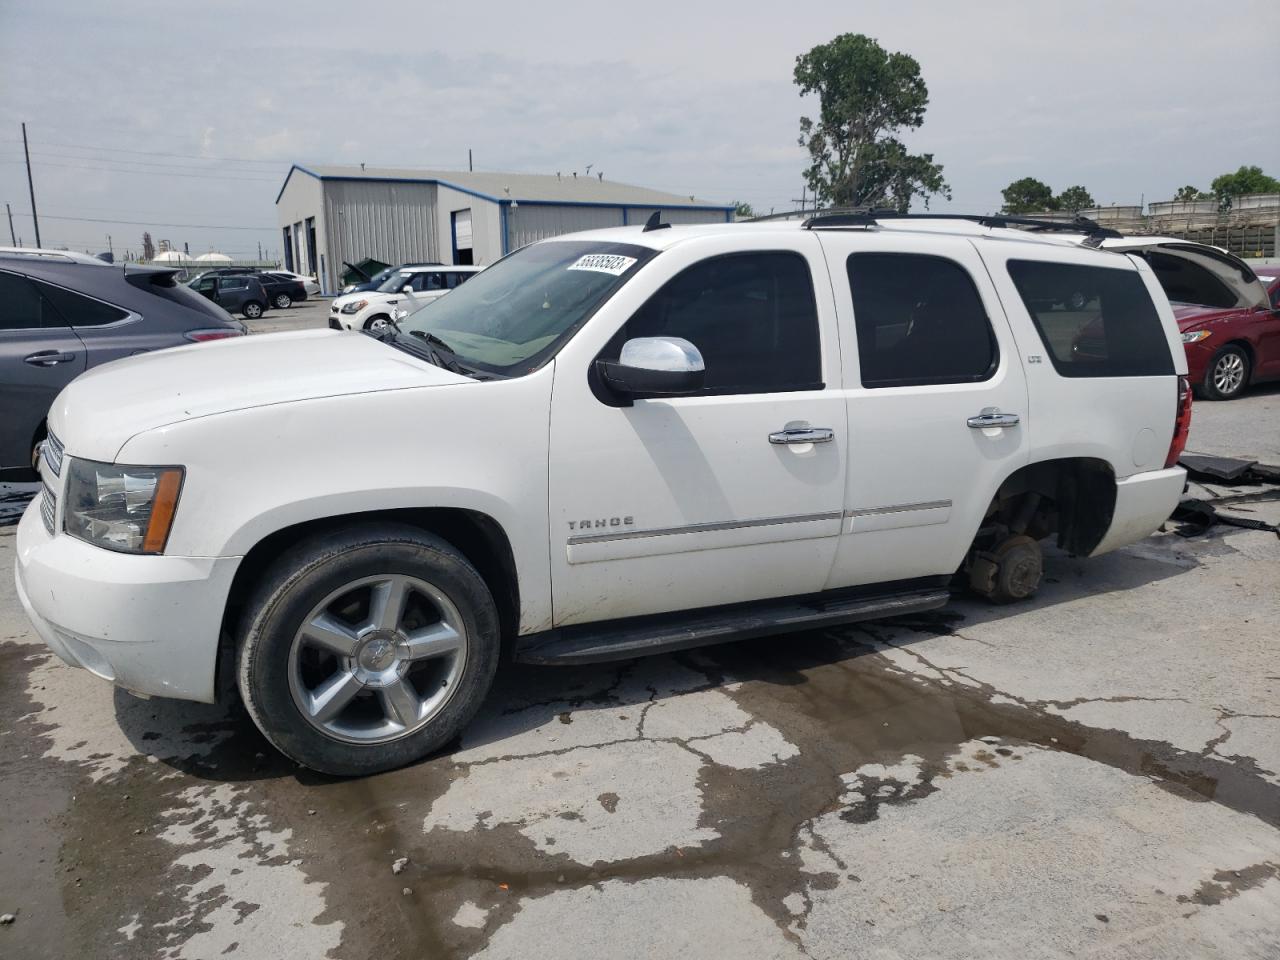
[148,153]
[153,173]
[151,223]
[130,164]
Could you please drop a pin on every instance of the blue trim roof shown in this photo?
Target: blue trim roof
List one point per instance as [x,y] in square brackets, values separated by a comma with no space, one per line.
[502,200]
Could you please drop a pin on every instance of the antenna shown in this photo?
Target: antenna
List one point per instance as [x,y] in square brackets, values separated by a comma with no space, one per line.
[655,222]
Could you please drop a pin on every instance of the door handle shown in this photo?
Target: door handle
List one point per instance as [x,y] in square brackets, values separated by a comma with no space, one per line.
[49,358]
[983,420]
[803,435]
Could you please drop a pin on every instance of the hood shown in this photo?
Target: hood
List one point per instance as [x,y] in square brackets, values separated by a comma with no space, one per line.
[1233,272]
[1190,315]
[101,409]
[371,295]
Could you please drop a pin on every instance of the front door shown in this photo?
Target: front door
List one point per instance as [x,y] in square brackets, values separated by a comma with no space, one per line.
[39,355]
[934,352]
[682,502]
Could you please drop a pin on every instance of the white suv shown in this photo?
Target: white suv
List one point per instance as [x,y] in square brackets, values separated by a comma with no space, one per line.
[608,444]
[406,290]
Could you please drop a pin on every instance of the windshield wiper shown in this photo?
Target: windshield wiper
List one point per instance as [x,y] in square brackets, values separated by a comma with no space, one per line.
[447,356]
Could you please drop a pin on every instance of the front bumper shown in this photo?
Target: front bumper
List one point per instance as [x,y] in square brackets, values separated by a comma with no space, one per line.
[150,624]
[1199,356]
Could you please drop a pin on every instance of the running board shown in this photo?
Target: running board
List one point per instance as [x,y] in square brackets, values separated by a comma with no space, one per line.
[664,633]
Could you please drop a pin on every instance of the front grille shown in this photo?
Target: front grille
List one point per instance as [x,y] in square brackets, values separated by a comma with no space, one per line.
[335,323]
[53,451]
[48,508]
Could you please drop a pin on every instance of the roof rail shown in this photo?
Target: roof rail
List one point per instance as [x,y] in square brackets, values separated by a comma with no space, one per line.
[871,218]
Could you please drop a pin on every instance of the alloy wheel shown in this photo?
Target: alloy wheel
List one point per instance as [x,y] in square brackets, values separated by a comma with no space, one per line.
[1228,373]
[377,659]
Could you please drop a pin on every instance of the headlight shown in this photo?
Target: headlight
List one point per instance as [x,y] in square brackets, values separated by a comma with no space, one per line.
[129,509]
[354,307]
[1195,336]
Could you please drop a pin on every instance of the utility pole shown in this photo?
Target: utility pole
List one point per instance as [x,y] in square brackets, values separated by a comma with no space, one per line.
[30,185]
[12,239]
[469,166]
[110,249]
[259,251]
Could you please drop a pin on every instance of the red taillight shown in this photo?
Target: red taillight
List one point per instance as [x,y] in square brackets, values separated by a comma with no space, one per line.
[1182,425]
[217,333]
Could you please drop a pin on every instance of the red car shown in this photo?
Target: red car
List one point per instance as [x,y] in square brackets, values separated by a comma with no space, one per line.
[1228,315]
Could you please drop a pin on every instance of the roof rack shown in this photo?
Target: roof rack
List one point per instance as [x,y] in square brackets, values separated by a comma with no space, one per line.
[872,218]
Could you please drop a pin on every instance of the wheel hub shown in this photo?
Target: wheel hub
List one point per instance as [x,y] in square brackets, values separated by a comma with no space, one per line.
[377,661]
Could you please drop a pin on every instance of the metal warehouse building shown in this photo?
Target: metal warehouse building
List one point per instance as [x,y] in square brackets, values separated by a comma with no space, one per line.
[330,215]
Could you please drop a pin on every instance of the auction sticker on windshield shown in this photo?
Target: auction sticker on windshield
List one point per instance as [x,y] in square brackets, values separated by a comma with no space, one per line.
[610,263]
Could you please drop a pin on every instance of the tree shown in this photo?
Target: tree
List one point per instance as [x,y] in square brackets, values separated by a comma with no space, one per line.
[866,97]
[1245,180]
[1074,199]
[1028,195]
[742,210]
[1189,193]
[148,248]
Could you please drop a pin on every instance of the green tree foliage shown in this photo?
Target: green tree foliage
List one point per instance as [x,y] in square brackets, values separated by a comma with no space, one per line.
[1245,180]
[1028,195]
[867,97]
[1074,199]
[1189,193]
[743,210]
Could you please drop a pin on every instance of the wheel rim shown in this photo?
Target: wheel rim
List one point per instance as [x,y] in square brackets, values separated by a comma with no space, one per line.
[253,310]
[282,301]
[377,659]
[1228,373]
[378,324]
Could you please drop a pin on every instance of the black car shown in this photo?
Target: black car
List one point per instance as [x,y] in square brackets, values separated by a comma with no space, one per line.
[60,315]
[235,292]
[282,290]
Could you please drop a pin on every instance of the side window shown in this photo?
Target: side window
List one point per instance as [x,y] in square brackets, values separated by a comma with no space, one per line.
[1094,321]
[80,311]
[919,320]
[21,307]
[752,316]
[433,281]
[233,283]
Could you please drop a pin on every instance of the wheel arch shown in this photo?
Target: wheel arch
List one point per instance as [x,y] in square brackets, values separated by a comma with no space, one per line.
[1074,496]
[478,536]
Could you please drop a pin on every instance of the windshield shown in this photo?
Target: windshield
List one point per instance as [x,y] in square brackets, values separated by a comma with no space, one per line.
[511,317]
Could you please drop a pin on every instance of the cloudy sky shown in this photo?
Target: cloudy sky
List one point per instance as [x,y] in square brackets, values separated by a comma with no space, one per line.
[183,118]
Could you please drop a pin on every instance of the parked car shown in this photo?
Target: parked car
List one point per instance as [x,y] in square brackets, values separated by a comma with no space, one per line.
[695,434]
[61,314]
[403,292]
[1229,321]
[282,290]
[309,285]
[378,279]
[239,292]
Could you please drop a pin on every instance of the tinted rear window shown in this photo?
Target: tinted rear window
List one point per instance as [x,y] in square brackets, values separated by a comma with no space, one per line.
[80,311]
[1094,321]
[919,320]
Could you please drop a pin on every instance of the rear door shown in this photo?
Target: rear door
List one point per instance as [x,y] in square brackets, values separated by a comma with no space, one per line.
[937,402]
[39,355]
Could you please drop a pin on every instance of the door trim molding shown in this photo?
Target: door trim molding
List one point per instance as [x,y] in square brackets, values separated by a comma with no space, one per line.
[703,527]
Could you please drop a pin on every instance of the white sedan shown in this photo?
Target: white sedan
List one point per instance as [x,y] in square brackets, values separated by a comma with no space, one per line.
[408,289]
[312,287]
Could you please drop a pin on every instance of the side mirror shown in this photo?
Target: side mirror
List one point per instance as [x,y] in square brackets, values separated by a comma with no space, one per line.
[654,366]
[407,288]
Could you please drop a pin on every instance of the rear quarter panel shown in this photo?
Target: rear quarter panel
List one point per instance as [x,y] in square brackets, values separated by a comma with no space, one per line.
[1127,422]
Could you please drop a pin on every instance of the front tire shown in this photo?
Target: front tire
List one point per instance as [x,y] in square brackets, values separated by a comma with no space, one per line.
[367,648]
[1228,373]
[380,322]
[252,310]
[283,301]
